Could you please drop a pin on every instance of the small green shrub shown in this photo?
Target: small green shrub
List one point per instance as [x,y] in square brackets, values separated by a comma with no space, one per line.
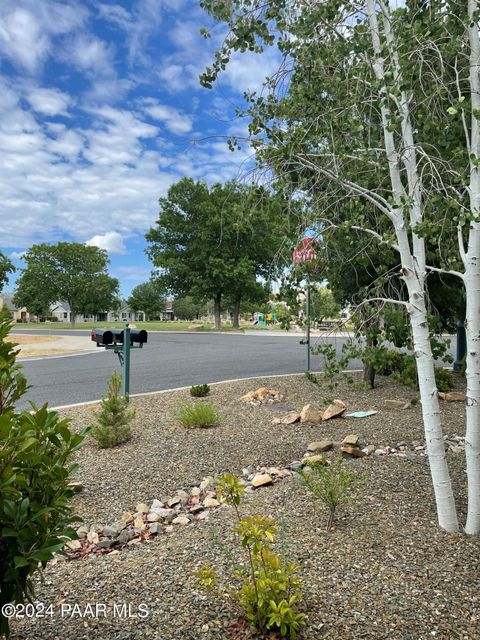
[332,484]
[203,414]
[199,390]
[270,591]
[35,484]
[444,379]
[113,419]
[403,368]
[311,377]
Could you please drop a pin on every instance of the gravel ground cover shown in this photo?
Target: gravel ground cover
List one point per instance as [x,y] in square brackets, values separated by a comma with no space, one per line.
[385,571]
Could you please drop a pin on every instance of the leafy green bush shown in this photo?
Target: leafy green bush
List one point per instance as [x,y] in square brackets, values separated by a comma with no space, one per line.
[199,390]
[270,593]
[332,484]
[311,377]
[203,414]
[113,419]
[444,379]
[402,367]
[35,484]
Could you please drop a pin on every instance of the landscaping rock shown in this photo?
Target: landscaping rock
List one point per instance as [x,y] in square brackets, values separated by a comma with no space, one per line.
[155,528]
[335,410]
[82,531]
[105,543]
[181,520]
[183,495]
[127,517]
[141,507]
[172,502]
[261,480]
[125,536]
[211,503]
[74,545]
[114,529]
[350,441]
[139,523]
[355,452]
[452,396]
[92,536]
[262,395]
[311,415]
[396,404]
[320,446]
[290,417]
[206,484]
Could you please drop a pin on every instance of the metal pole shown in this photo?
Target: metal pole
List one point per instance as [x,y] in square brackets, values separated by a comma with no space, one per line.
[308,325]
[461,346]
[126,361]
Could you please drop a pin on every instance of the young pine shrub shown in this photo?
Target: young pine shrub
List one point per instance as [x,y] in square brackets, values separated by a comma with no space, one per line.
[199,390]
[331,484]
[112,425]
[270,591]
[36,492]
[203,414]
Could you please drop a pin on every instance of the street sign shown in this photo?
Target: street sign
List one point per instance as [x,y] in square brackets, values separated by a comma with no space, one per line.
[305,251]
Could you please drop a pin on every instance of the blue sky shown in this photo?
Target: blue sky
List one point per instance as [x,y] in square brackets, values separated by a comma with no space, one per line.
[101,111]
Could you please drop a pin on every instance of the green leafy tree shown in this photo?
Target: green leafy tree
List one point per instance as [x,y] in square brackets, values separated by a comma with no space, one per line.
[149,298]
[36,491]
[211,242]
[6,267]
[185,308]
[359,125]
[67,271]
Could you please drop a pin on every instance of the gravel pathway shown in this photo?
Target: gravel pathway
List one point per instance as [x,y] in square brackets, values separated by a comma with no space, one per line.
[385,571]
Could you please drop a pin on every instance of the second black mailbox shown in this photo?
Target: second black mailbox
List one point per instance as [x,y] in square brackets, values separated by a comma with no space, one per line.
[136,335]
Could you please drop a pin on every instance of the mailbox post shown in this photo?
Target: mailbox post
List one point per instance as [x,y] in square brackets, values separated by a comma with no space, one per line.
[120,341]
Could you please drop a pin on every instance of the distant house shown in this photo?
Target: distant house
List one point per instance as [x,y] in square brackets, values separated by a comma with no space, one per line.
[18,314]
[61,310]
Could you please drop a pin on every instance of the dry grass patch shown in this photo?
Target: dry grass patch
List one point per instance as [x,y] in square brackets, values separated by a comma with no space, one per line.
[30,339]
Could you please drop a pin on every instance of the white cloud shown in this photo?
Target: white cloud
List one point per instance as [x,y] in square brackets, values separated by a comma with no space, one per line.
[132,272]
[111,241]
[174,120]
[91,54]
[50,102]
[17,255]
[21,39]
[26,31]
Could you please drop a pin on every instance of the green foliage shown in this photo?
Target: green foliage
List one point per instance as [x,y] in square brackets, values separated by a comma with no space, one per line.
[35,484]
[203,414]
[6,267]
[12,381]
[112,425]
[185,308]
[402,367]
[270,591]
[332,484]
[67,271]
[199,390]
[211,242]
[311,377]
[149,298]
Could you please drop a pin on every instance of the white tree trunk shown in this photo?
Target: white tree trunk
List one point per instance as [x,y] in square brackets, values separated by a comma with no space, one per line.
[472,289]
[413,265]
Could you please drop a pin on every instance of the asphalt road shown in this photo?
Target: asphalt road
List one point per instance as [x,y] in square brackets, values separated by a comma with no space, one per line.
[168,360]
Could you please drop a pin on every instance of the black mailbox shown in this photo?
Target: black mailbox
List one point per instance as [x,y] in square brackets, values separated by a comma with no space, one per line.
[102,336]
[138,335]
[117,335]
